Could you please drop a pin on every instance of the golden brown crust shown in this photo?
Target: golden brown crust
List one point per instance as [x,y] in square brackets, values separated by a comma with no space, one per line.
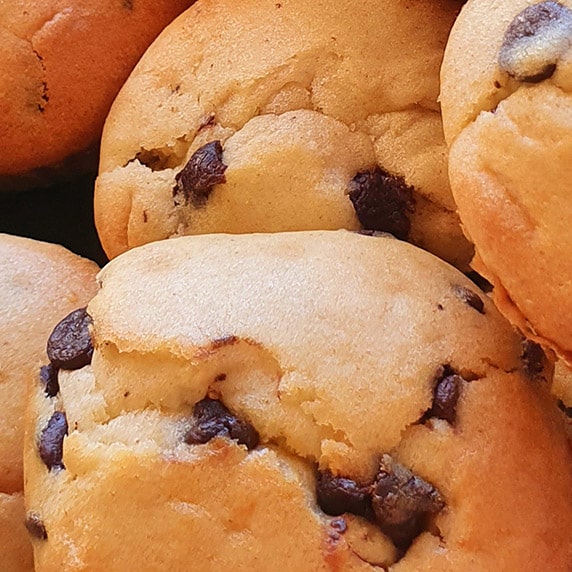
[61,64]
[510,144]
[15,544]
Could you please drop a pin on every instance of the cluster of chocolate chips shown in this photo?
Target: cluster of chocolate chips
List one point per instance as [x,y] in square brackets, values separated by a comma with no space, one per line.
[398,501]
[69,347]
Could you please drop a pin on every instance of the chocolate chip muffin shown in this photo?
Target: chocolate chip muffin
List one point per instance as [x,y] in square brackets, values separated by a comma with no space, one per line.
[265,116]
[507,113]
[40,283]
[62,62]
[294,401]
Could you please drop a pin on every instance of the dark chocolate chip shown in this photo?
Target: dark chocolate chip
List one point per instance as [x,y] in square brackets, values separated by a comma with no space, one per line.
[213,419]
[535,41]
[35,526]
[446,395]
[49,378]
[338,495]
[402,502]
[52,441]
[69,345]
[566,410]
[533,359]
[480,281]
[202,172]
[382,202]
[469,297]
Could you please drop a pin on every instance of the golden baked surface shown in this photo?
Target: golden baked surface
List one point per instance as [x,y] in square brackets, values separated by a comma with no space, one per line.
[39,284]
[62,62]
[335,355]
[507,114]
[302,99]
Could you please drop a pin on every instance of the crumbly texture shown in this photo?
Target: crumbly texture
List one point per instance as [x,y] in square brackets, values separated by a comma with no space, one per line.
[298,401]
[507,113]
[62,62]
[302,99]
[40,284]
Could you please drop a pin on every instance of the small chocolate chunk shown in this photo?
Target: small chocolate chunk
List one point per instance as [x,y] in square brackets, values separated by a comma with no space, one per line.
[35,526]
[202,172]
[52,441]
[446,395]
[338,495]
[49,378]
[382,202]
[402,501]
[535,41]
[213,419]
[533,359]
[469,297]
[566,410]
[69,345]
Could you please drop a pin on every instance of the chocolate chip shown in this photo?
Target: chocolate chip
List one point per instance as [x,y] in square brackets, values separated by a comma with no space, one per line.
[338,495]
[446,395]
[49,378]
[202,172]
[35,526]
[469,297]
[533,359]
[213,419]
[382,202]
[535,41]
[566,410]
[69,345]
[402,502]
[52,441]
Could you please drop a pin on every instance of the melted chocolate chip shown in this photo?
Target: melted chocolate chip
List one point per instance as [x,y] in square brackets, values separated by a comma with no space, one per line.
[49,378]
[52,441]
[35,526]
[382,202]
[533,359]
[470,298]
[535,41]
[445,397]
[69,345]
[202,172]
[402,501]
[338,495]
[213,419]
